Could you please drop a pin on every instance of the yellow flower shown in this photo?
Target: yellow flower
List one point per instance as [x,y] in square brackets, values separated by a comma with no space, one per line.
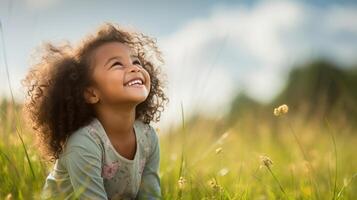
[181,182]
[281,110]
[212,183]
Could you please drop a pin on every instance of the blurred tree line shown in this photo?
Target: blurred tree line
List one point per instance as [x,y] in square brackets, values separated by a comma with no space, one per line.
[316,90]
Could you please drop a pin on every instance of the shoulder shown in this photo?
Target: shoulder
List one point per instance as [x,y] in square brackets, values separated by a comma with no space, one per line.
[148,132]
[149,139]
[151,145]
[83,139]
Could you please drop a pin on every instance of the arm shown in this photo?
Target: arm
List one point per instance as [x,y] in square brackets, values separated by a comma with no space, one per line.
[83,163]
[150,181]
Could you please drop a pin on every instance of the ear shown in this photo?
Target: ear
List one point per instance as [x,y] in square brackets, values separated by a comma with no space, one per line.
[91,96]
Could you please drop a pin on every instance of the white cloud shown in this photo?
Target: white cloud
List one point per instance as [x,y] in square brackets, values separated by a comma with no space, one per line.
[251,48]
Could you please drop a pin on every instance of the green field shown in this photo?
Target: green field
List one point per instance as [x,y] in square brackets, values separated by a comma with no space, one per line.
[208,159]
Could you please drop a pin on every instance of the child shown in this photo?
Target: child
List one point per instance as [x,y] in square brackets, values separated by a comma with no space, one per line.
[91,107]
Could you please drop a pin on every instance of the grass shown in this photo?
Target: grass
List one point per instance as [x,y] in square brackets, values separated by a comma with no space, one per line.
[305,159]
[205,161]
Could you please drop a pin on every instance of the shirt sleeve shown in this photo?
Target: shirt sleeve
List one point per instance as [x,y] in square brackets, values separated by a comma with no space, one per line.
[150,181]
[83,163]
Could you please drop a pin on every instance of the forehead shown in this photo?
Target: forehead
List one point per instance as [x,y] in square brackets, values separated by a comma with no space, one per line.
[110,49]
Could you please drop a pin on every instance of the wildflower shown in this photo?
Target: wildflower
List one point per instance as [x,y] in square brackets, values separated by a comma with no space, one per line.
[9,197]
[181,182]
[223,171]
[213,183]
[266,161]
[281,110]
[218,150]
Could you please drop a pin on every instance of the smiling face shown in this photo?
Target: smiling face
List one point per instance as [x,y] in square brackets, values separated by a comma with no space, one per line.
[118,75]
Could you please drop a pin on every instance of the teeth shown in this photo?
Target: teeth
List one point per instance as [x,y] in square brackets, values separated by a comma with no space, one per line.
[135,82]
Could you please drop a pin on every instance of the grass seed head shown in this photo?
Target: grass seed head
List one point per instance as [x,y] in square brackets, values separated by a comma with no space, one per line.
[281,110]
[218,150]
[181,182]
[223,171]
[214,185]
[266,161]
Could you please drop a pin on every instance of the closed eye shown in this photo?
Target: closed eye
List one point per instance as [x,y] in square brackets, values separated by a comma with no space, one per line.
[137,62]
[116,63]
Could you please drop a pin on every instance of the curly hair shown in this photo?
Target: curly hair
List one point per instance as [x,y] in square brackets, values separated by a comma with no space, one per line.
[55,105]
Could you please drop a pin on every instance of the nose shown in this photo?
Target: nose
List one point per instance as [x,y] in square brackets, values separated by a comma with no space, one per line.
[134,68]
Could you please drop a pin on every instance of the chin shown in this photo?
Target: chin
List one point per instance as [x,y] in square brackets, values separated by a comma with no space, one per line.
[136,96]
[139,99]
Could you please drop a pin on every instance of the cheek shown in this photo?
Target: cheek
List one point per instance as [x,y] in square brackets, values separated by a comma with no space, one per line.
[110,82]
[114,77]
[147,78]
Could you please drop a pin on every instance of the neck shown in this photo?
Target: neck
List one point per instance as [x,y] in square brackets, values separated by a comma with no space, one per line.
[118,121]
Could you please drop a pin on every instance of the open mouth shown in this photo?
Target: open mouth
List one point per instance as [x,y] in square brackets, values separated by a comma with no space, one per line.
[134,83]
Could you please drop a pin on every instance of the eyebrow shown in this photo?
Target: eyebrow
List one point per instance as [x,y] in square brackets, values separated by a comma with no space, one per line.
[116,57]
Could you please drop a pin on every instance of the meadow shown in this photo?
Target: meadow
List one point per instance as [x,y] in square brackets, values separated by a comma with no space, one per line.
[275,157]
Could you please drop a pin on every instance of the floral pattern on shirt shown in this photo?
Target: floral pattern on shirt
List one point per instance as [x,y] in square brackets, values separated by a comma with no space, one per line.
[94,134]
[109,170]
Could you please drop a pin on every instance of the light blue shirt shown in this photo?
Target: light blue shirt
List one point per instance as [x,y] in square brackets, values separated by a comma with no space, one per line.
[90,167]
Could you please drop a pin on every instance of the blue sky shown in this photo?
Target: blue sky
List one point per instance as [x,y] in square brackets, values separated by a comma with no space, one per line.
[212,48]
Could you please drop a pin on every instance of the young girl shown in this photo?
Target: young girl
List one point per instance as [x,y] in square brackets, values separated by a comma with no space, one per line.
[91,107]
